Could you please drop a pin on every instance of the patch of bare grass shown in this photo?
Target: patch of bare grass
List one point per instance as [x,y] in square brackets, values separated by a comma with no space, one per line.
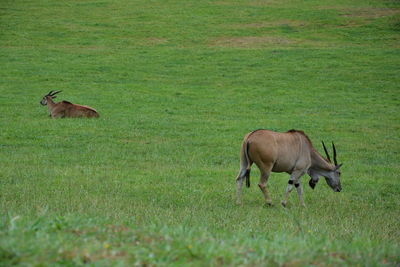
[254,42]
[248,3]
[270,24]
[155,41]
[251,41]
[88,257]
[357,17]
[369,13]
[364,12]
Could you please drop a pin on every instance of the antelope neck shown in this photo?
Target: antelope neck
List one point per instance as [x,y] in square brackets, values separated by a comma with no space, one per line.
[319,163]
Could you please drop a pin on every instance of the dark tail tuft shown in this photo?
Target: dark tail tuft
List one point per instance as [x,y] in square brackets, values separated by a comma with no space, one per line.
[246,153]
[248,177]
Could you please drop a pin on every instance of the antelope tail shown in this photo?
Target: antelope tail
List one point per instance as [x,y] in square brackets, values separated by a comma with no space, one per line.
[246,154]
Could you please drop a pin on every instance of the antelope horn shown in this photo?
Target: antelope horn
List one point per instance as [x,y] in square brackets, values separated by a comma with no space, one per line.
[56,92]
[326,152]
[50,92]
[334,154]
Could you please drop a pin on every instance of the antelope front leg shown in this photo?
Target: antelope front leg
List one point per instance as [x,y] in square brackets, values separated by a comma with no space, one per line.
[294,179]
[289,189]
[299,189]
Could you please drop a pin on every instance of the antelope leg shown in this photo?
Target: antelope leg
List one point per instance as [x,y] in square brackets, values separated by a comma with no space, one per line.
[294,179]
[299,189]
[263,186]
[239,185]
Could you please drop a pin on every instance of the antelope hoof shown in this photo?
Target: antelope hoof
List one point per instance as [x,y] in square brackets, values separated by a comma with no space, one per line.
[283,204]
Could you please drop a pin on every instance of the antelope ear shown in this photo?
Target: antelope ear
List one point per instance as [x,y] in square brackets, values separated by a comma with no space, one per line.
[54,97]
[337,167]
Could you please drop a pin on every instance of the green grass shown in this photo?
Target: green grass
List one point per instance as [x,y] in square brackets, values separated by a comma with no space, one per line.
[178,84]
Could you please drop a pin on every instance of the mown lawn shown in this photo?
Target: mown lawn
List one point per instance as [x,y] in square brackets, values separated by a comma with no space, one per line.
[177,85]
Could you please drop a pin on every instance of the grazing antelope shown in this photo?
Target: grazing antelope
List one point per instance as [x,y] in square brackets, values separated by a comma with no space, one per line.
[290,152]
[66,109]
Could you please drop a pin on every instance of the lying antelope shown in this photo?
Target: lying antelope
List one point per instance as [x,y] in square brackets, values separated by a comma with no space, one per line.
[66,109]
[290,152]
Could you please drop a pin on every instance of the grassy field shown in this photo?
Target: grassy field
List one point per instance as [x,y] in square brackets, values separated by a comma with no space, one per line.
[177,85]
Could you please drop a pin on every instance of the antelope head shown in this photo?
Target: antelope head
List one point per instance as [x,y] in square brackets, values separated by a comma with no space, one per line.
[51,95]
[333,177]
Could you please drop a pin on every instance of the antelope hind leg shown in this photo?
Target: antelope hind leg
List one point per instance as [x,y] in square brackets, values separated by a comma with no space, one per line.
[239,185]
[263,186]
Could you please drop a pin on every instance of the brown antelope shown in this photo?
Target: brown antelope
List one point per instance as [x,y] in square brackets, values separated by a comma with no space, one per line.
[290,152]
[66,109]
